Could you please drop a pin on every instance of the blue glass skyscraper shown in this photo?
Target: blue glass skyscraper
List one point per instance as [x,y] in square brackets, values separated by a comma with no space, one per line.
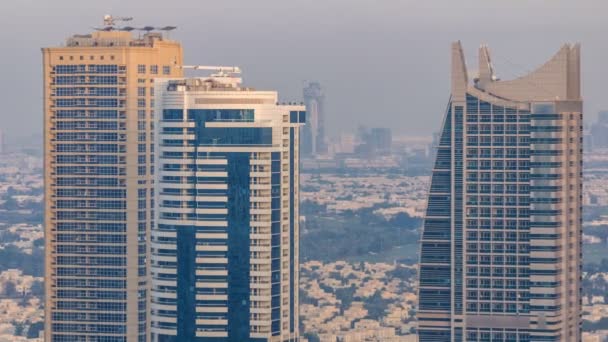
[225,246]
[501,248]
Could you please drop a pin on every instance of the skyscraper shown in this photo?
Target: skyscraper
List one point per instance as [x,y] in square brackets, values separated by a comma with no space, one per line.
[501,247]
[225,247]
[313,133]
[98,111]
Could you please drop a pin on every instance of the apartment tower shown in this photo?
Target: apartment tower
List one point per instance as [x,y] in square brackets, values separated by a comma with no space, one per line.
[225,245]
[501,248]
[98,124]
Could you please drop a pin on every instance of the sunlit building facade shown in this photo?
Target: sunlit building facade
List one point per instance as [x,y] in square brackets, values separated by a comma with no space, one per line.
[225,246]
[98,124]
[501,248]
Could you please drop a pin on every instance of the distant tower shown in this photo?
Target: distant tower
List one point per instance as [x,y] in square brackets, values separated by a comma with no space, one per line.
[599,131]
[2,147]
[313,133]
[501,247]
[98,110]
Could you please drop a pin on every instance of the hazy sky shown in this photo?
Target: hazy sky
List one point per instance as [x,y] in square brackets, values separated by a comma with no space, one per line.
[380,62]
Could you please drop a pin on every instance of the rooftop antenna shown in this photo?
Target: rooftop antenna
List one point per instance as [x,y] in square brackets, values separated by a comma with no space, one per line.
[109,23]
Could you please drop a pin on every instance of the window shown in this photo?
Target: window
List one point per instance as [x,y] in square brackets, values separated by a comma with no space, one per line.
[141,69]
[154,69]
[141,103]
[141,91]
[166,70]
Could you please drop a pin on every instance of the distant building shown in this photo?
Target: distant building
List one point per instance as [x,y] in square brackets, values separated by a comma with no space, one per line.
[98,95]
[313,133]
[373,141]
[588,144]
[501,245]
[225,246]
[599,131]
[381,140]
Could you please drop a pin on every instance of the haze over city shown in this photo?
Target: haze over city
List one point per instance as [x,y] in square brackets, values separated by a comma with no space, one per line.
[381,62]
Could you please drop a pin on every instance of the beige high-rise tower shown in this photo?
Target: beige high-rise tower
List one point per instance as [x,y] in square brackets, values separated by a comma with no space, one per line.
[98,127]
[501,248]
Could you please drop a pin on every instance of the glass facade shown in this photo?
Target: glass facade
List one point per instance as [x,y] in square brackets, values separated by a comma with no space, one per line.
[89,201]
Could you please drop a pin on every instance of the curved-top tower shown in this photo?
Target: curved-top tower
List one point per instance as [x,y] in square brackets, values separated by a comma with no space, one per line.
[501,248]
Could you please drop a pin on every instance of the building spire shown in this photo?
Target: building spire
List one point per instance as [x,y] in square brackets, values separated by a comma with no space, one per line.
[459,73]
[486,71]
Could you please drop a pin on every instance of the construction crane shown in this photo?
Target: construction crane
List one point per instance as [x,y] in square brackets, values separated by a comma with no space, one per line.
[220,71]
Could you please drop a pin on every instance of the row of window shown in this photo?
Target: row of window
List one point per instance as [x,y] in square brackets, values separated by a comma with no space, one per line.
[92,148]
[90,204]
[89,102]
[498,188]
[83,80]
[153,69]
[511,272]
[89,113]
[90,125]
[498,129]
[91,261]
[90,68]
[501,140]
[472,118]
[498,247]
[83,91]
[90,182]
[89,216]
[497,224]
[497,212]
[473,235]
[497,176]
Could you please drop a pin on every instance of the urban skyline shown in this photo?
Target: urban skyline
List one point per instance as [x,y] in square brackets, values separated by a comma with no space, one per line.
[167,203]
